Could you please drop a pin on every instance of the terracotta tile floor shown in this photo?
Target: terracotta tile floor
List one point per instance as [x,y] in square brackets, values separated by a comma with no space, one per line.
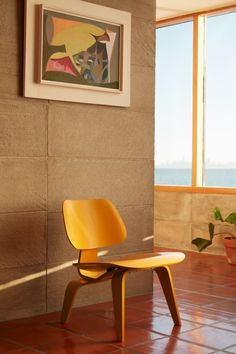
[206,293]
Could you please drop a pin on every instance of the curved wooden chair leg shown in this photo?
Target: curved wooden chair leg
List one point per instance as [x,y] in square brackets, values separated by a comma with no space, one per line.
[118,294]
[169,292]
[69,297]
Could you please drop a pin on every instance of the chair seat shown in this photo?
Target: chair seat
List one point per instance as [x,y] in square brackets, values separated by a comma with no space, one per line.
[136,261]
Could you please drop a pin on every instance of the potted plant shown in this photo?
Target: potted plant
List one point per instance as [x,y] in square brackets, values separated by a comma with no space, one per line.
[228,238]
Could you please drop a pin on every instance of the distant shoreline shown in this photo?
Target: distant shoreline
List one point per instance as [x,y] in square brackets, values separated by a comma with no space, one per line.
[214,177]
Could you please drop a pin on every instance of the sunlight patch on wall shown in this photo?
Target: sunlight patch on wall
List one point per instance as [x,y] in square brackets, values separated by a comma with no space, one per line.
[148,238]
[34,276]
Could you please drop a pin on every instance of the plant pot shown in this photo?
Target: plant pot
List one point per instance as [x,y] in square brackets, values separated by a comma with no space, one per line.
[230,248]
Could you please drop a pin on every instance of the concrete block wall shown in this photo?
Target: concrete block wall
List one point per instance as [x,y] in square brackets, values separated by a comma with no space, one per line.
[181,217]
[51,150]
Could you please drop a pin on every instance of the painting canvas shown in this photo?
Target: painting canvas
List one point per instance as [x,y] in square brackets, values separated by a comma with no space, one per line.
[80,51]
[77,51]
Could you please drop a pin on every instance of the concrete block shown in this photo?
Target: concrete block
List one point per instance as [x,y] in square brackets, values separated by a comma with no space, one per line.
[139,225]
[76,130]
[23,184]
[11,24]
[173,206]
[22,292]
[203,205]
[23,128]
[59,247]
[142,89]
[125,182]
[23,239]
[143,42]
[10,86]
[172,234]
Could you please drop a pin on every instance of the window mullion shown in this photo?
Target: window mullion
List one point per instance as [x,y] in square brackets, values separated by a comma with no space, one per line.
[198,100]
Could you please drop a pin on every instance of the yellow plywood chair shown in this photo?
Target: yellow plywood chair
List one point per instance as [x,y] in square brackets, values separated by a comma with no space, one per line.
[92,224]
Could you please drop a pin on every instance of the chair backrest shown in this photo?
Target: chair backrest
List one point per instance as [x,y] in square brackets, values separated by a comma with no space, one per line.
[92,224]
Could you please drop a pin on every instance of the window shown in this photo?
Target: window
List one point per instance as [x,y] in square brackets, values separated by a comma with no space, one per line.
[173,154]
[220,102]
[195,103]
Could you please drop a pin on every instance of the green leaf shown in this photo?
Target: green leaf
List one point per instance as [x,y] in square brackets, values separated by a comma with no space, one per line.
[211,228]
[217,214]
[231,218]
[201,243]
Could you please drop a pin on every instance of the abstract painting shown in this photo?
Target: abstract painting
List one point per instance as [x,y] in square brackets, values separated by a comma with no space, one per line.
[77,50]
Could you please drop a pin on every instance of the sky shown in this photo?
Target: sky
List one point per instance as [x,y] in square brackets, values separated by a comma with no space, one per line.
[174,93]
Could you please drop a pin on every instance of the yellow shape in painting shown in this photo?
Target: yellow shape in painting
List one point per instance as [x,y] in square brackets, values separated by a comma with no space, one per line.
[76,38]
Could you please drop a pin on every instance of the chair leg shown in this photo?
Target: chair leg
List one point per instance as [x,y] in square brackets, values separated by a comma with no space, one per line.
[69,298]
[118,294]
[169,292]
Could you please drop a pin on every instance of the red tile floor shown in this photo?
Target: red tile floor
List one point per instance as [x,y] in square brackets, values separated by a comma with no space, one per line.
[206,293]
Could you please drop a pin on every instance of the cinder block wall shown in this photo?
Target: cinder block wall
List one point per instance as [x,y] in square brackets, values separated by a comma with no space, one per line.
[50,151]
[181,217]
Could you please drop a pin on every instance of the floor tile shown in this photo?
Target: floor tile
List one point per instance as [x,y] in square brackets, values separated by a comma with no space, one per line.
[211,337]
[156,307]
[123,351]
[216,279]
[231,349]
[164,325]
[220,352]
[6,345]
[232,285]
[232,320]
[24,351]
[197,317]
[199,299]
[171,346]
[36,334]
[188,284]
[138,335]
[76,344]
[226,326]
[89,325]
[228,306]
[221,291]
[131,313]
[30,321]
[214,314]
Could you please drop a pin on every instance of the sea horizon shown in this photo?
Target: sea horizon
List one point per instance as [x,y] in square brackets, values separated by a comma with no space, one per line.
[182,176]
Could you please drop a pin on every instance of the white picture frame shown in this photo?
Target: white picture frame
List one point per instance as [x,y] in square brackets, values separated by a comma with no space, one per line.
[77,52]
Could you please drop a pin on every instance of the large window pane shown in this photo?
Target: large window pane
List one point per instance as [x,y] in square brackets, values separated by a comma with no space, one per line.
[220,101]
[173,133]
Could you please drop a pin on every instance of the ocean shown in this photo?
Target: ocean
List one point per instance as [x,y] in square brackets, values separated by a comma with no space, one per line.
[182,177]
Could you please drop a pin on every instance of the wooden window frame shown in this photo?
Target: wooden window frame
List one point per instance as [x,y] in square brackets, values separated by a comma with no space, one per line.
[198,19]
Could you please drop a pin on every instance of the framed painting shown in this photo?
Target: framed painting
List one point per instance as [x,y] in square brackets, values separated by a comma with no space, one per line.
[77,52]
